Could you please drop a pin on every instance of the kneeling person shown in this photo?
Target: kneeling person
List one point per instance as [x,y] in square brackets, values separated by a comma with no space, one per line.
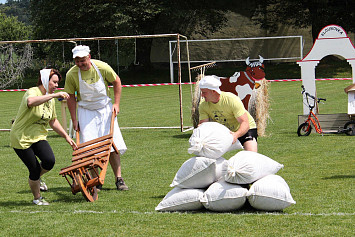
[226,108]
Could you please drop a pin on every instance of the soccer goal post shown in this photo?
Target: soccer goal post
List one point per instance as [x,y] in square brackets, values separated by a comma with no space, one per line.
[62,49]
[277,48]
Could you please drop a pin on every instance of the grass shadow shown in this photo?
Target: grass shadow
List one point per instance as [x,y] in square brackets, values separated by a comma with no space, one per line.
[52,190]
[15,204]
[63,194]
[182,136]
[158,197]
[245,209]
[340,177]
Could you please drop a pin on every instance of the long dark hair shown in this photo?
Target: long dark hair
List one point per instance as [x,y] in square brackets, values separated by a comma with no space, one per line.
[53,72]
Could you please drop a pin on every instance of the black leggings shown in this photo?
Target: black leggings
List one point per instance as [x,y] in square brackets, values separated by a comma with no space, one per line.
[43,151]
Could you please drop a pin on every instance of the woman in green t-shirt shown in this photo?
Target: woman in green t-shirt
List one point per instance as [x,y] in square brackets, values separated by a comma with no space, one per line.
[28,133]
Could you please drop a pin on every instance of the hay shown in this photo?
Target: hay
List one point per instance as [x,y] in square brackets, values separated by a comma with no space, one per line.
[262,107]
[195,103]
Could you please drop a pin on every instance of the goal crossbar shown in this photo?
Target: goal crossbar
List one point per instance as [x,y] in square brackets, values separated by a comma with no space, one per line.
[95,38]
[178,61]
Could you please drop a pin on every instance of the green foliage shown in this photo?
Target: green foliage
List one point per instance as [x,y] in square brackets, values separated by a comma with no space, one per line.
[111,18]
[302,14]
[79,19]
[19,8]
[318,169]
[12,29]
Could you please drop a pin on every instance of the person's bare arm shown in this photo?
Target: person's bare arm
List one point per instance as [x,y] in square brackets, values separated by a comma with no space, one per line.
[117,90]
[38,100]
[243,128]
[57,127]
[72,110]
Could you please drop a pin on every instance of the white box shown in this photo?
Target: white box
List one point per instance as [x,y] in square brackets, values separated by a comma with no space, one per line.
[351,102]
[350,90]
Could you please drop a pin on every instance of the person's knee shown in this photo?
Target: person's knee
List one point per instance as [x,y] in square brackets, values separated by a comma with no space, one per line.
[44,152]
[48,164]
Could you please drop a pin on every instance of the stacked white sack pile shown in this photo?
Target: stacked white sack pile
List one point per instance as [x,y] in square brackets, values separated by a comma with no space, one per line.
[212,182]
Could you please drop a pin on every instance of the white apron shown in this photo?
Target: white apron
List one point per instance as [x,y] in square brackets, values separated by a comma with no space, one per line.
[95,111]
[93,96]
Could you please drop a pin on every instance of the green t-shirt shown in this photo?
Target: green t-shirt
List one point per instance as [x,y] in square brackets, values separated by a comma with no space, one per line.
[90,76]
[225,111]
[30,123]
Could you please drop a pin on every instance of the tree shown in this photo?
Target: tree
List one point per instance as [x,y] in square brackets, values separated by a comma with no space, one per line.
[161,17]
[13,58]
[12,29]
[306,13]
[67,18]
[19,8]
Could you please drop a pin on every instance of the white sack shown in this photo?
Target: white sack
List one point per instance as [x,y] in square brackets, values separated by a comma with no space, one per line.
[246,167]
[199,172]
[270,193]
[181,200]
[211,140]
[221,168]
[222,196]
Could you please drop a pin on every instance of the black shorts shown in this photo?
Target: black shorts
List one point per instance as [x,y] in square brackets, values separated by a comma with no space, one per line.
[249,136]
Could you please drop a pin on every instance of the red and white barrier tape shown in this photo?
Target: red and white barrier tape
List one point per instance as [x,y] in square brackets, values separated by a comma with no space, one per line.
[188,83]
[320,79]
[136,85]
[158,84]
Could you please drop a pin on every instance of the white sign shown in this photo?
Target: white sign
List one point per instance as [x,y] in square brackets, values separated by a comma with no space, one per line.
[332,31]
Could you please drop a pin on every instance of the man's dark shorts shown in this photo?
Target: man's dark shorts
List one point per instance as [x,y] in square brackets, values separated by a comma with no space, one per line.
[249,136]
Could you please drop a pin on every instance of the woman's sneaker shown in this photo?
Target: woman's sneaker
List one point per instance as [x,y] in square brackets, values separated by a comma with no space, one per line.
[40,202]
[43,187]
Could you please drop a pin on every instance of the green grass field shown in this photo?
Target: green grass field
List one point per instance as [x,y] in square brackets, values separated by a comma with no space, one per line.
[318,169]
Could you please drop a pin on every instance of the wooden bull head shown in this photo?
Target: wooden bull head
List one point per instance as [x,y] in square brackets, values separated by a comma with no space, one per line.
[243,83]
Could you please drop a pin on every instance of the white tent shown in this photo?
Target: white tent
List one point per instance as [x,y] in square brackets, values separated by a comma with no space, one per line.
[332,40]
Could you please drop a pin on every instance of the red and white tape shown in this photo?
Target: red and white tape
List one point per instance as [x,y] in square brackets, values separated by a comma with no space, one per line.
[188,83]
[157,84]
[136,85]
[319,79]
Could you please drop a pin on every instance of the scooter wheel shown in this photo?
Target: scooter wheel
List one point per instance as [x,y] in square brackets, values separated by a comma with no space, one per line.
[304,129]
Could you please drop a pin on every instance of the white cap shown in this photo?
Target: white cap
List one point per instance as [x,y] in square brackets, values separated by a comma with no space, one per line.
[81,51]
[210,82]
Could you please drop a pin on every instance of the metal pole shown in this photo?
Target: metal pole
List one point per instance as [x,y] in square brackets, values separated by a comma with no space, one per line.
[301,47]
[189,66]
[180,87]
[118,63]
[171,64]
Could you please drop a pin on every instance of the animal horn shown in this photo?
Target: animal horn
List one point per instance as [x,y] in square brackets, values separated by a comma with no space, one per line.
[247,61]
[261,59]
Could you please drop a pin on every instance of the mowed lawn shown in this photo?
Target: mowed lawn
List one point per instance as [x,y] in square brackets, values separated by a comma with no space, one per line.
[320,171]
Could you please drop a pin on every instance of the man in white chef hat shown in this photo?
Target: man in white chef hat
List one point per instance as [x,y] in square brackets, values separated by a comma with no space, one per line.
[226,108]
[91,111]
